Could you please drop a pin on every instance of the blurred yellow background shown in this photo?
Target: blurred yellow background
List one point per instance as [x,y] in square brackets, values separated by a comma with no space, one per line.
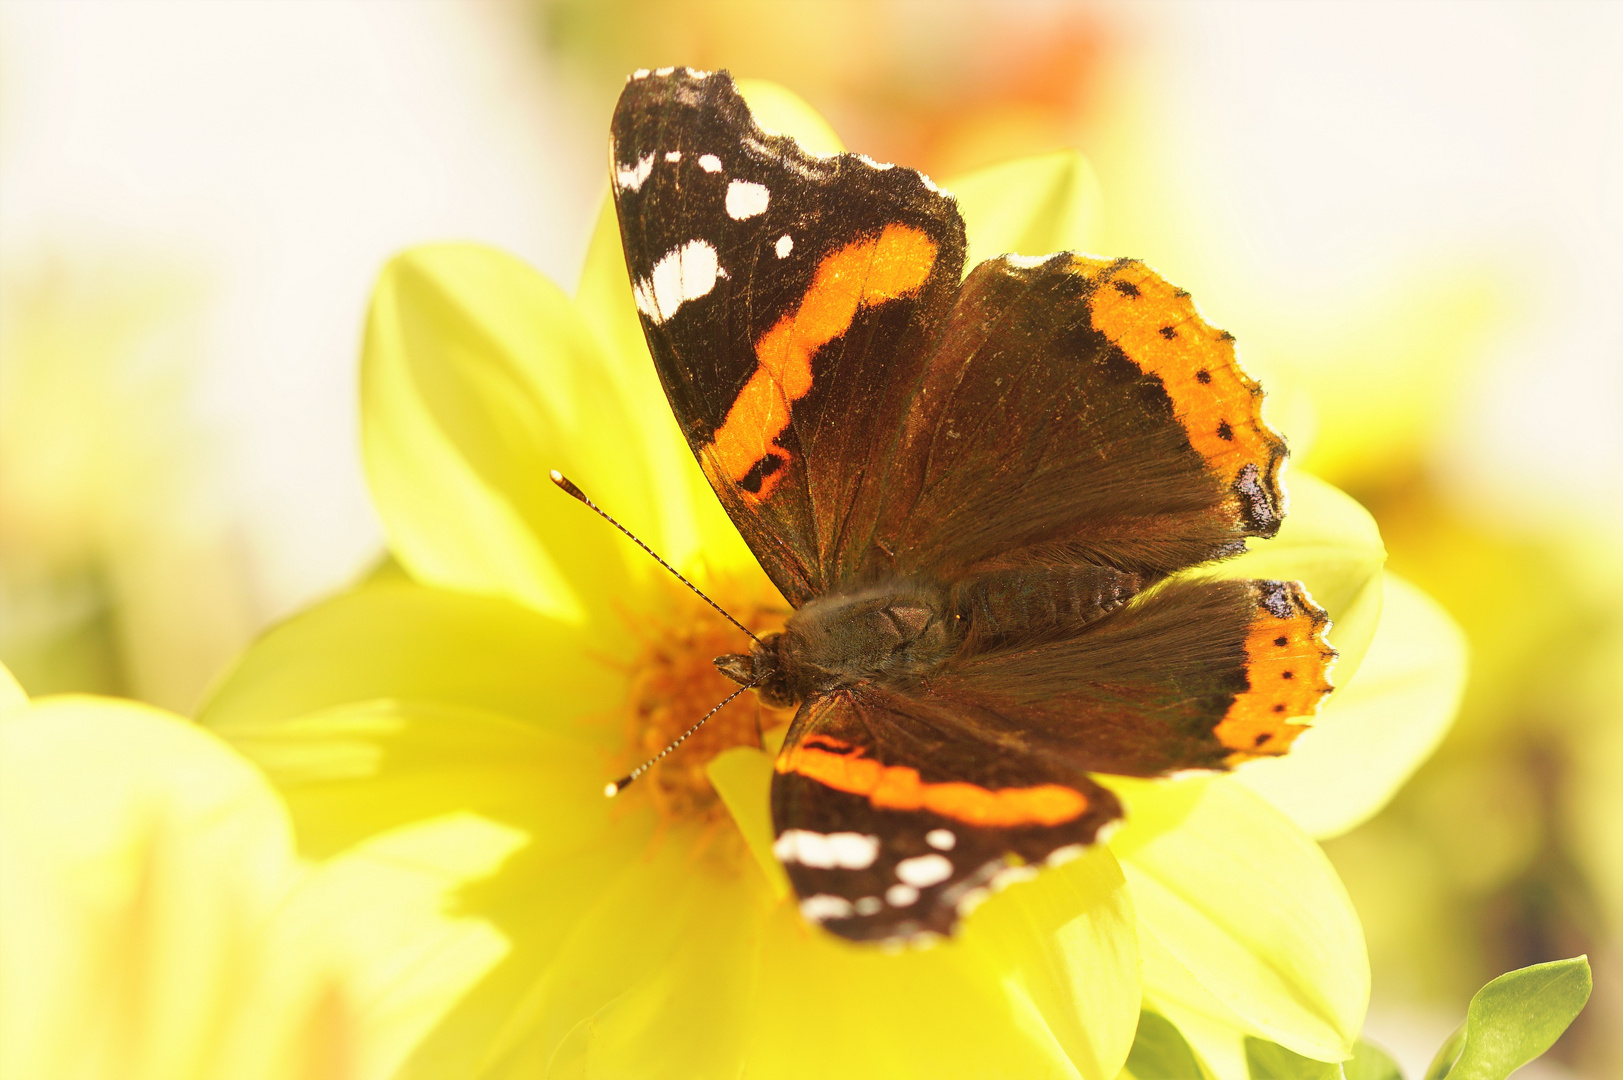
[1411,216]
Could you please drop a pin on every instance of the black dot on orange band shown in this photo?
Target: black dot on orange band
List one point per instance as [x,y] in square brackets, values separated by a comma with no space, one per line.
[1225,336]
[1289,675]
[1264,737]
[1126,288]
[1224,431]
[1282,641]
[1279,708]
[758,473]
[1203,375]
[1169,332]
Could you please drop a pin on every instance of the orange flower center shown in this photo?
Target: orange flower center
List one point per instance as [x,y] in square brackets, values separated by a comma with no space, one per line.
[674,683]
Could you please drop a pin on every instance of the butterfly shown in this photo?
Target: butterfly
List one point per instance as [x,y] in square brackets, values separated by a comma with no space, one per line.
[977,493]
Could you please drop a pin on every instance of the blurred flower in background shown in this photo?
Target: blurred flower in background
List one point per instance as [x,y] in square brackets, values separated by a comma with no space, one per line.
[1410,217]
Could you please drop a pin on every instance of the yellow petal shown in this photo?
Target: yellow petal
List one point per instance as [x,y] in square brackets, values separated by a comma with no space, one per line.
[477,380]
[391,909]
[1031,206]
[659,978]
[1042,983]
[1375,731]
[394,638]
[1331,544]
[779,109]
[742,777]
[1241,916]
[13,699]
[1062,949]
[140,864]
[355,772]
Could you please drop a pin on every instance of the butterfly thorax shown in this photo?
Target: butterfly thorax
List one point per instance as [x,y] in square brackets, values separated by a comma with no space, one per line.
[892,633]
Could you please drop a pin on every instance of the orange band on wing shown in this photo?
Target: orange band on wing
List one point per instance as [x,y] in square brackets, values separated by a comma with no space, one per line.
[868,272]
[897,787]
[1287,665]
[1157,326]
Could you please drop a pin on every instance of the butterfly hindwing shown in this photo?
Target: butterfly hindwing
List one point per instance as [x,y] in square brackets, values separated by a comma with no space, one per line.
[890,833]
[962,781]
[788,300]
[1197,674]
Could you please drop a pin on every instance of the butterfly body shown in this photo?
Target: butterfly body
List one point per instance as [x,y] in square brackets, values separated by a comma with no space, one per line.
[891,634]
[980,494]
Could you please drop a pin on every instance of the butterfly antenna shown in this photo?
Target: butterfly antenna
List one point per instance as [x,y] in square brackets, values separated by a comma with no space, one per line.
[569,486]
[611,790]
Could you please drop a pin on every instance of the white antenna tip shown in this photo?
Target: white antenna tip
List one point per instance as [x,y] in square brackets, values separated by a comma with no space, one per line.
[610,790]
[556,476]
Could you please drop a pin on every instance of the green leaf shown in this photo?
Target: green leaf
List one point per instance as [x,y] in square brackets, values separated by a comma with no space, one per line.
[1241,917]
[1330,544]
[1031,206]
[1377,728]
[1160,1052]
[1370,1062]
[1270,1061]
[1513,1020]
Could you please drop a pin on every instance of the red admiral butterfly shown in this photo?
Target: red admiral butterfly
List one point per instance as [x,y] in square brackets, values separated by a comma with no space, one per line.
[975,491]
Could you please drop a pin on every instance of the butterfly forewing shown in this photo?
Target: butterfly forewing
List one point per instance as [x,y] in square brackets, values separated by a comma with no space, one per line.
[788,301]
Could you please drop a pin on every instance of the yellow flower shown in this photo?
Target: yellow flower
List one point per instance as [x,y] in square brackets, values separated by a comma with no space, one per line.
[156,923]
[517,654]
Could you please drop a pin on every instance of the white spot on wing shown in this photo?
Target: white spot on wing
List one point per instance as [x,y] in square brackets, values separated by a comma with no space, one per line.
[922,871]
[870,905]
[664,71]
[1062,855]
[973,899]
[901,895]
[1004,878]
[685,274]
[872,164]
[928,183]
[745,199]
[673,155]
[941,839]
[710,163]
[824,906]
[1025,262]
[641,73]
[631,177]
[841,850]
[784,246]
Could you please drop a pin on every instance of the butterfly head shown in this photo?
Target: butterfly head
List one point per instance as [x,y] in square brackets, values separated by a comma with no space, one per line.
[761,668]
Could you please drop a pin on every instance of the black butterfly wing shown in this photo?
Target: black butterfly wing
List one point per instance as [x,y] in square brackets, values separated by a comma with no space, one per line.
[788,300]
[890,831]
[1075,411]
[897,808]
